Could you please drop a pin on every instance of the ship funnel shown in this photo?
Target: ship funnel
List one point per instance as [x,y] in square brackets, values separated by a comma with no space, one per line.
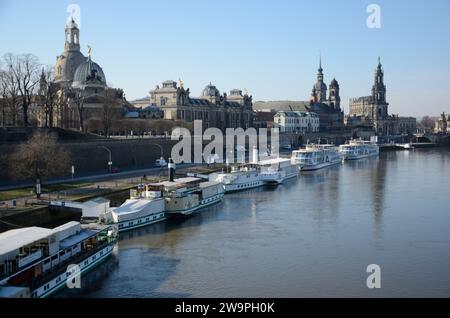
[171,166]
[255,155]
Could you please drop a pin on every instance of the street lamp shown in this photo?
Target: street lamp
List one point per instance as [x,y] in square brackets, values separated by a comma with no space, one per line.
[160,147]
[110,160]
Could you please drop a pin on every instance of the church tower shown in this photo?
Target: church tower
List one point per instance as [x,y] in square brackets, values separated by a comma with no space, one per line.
[334,98]
[379,93]
[71,57]
[72,37]
[320,88]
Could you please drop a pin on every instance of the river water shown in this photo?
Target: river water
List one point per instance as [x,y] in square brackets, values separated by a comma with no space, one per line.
[310,237]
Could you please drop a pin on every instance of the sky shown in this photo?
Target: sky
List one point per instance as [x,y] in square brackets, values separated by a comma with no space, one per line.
[269,47]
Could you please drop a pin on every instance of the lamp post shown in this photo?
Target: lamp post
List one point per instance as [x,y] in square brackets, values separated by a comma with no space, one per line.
[160,148]
[110,160]
[38,188]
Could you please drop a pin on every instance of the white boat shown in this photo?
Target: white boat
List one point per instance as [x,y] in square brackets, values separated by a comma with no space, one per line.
[406,146]
[240,178]
[276,170]
[316,156]
[184,196]
[34,261]
[144,207]
[358,149]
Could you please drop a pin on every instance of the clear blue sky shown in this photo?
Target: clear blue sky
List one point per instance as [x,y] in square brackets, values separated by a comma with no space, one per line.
[270,47]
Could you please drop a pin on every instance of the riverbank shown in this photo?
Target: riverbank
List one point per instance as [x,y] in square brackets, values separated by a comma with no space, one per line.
[26,210]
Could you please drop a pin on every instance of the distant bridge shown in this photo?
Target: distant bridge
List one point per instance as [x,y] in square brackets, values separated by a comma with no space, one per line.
[434,138]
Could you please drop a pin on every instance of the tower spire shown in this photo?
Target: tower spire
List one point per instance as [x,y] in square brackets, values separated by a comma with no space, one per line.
[320,61]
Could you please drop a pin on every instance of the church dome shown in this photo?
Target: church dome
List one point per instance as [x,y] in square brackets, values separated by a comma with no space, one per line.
[66,65]
[89,73]
[334,83]
[210,91]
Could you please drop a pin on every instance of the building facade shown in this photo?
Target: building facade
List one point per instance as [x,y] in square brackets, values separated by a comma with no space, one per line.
[296,122]
[327,108]
[442,124]
[324,101]
[81,87]
[263,119]
[373,111]
[212,107]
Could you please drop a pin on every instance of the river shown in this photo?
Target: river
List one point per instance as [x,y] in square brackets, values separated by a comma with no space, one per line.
[310,237]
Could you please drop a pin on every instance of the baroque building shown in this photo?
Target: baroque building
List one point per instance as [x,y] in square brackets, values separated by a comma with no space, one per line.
[296,121]
[81,87]
[213,108]
[326,108]
[442,124]
[372,110]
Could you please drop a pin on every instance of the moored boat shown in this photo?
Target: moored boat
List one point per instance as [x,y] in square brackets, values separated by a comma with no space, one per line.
[316,156]
[37,262]
[184,196]
[242,177]
[358,149]
[277,170]
[144,207]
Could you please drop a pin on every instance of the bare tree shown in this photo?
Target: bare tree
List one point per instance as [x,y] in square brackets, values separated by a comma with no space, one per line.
[48,94]
[78,96]
[427,123]
[93,125]
[9,92]
[140,126]
[38,158]
[107,111]
[25,69]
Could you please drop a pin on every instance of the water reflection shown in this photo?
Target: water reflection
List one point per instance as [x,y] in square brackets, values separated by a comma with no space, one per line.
[311,236]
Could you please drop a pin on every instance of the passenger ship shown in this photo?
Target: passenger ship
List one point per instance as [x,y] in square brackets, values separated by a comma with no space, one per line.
[34,261]
[184,196]
[144,207]
[316,156]
[240,178]
[276,170]
[358,149]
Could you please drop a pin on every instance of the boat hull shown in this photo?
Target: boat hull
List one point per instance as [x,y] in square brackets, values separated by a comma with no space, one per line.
[58,283]
[357,157]
[140,222]
[203,204]
[318,166]
[234,187]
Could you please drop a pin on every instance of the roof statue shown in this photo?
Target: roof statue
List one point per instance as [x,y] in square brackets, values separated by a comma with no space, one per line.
[89,52]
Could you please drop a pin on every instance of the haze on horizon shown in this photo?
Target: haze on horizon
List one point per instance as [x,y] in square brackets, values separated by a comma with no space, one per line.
[269,47]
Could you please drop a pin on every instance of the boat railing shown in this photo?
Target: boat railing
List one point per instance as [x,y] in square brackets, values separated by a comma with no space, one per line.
[62,266]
